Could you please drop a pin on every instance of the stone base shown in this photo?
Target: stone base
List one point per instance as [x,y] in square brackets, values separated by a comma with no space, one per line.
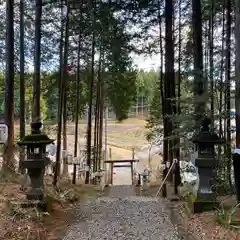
[42,205]
[35,194]
[203,206]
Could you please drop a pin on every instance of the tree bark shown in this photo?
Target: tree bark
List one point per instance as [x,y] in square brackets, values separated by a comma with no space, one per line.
[211,46]
[221,77]
[228,88]
[162,100]
[200,85]
[77,93]
[169,83]
[96,126]
[22,83]
[8,165]
[101,110]
[65,92]
[91,84]
[60,103]
[36,111]
[221,92]
[177,176]
[237,94]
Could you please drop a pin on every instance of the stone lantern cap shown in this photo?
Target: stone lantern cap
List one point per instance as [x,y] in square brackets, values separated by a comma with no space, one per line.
[205,135]
[36,138]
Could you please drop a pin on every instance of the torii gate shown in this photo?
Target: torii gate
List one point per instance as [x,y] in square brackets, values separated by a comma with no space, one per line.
[114,163]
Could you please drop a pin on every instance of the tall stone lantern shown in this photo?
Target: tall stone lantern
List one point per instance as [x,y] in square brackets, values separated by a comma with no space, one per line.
[36,160]
[205,140]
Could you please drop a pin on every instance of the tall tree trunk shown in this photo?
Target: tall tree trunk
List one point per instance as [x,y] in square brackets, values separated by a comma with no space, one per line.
[221,95]
[228,87]
[169,82]
[91,84]
[237,76]
[8,165]
[221,76]
[177,177]
[206,51]
[237,94]
[211,46]
[163,99]
[200,85]
[65,92]
[77,90]
[36,111]
[60,102]
[101,106]
[22,83]
[96,125]
[101,124]
[179,55]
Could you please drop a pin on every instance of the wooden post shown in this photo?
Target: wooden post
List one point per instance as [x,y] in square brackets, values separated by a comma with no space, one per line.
[111,165]
[133,157]
[111,173]
[139,180]
[74,173]
[110,153]
[139,176]
[132,173]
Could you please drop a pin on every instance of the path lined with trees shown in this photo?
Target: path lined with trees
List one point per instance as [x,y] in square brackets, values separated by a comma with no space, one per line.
[61,60]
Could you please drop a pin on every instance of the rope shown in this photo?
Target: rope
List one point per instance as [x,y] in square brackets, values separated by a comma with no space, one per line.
[170,169]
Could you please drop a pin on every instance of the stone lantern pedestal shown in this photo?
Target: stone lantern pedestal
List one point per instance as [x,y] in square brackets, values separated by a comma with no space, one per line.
[236,167]
[36,161]
[204,198]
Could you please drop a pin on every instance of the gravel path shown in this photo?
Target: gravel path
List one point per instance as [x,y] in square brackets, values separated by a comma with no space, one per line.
[122,215]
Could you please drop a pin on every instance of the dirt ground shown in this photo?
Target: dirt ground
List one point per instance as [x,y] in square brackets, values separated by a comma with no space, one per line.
[17,223]
[203,226]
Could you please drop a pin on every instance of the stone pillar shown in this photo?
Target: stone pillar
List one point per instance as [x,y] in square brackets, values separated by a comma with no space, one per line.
[204,198]
[236,165]
[36,160]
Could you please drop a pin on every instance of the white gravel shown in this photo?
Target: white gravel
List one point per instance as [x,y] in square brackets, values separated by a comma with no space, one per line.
[123,216]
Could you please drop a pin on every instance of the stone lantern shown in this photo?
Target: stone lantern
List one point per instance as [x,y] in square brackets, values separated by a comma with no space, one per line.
[36,160]
[205,140]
